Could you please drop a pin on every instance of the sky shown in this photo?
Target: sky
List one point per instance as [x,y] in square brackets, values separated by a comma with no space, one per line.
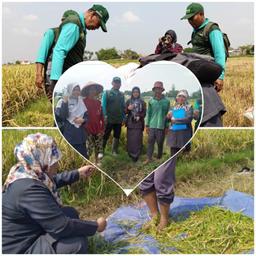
[135,26]
[168,72]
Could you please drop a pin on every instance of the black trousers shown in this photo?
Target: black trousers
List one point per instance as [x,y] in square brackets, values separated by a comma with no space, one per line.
[109,127]
[46,244]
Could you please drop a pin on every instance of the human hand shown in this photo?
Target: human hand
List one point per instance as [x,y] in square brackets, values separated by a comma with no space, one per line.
[218,85]
[79,120]
[86,171]
[131,107]
[102,223]
[147,130]
[39,81]
[196,114]
[169,115]
[65,99]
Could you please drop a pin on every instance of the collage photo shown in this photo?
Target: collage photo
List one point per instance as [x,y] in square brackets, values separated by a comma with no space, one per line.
[127,127]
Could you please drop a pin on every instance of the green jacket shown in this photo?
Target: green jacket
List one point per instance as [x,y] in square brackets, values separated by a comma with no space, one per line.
[113,106]
[156,113]
[75,55]
[200,44]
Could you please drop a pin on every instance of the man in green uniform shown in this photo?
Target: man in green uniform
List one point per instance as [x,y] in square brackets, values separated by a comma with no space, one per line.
[113,106]
[63,47]
[156,122]
[207,39]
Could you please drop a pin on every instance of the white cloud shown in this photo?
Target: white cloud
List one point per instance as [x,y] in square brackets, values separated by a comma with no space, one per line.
[24,32]
[130,17]
[30,17]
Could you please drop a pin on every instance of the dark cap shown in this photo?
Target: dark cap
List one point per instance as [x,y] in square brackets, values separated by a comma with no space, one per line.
[103,14]
[192,10]
[116,79]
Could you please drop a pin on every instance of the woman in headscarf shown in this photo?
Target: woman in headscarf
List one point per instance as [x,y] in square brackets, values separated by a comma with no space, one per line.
[135,113]
[72,110]
[168,43]
[33,218]
[180,116]
[95,125]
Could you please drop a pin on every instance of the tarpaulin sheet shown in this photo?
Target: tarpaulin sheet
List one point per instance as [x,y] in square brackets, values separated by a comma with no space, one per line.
[125,223]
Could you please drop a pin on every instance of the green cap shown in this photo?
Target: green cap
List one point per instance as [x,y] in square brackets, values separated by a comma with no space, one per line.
[192,10]
[116,79]
[103,14]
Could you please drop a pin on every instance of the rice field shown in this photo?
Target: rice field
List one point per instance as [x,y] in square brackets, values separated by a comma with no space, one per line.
[20,94]
[213,153]
[127,173]
[18,91]
[238,91]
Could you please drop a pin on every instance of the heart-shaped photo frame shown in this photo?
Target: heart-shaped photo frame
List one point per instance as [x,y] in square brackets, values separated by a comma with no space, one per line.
[160,103]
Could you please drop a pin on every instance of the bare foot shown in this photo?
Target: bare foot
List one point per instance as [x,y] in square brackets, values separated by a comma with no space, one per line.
[151,223]
[162,224]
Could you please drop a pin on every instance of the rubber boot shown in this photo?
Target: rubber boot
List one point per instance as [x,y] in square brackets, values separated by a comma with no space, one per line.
[115,146]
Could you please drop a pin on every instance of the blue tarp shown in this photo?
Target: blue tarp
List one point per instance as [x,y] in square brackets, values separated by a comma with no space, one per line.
[126,221]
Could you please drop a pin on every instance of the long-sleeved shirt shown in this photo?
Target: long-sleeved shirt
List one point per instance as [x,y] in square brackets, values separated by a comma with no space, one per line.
[95,125]
[72,134]
[174,48]
[218,47]
[156,113]
[67,39]
[29,210]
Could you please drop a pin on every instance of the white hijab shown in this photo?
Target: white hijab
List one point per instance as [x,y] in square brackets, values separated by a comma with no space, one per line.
[76,106]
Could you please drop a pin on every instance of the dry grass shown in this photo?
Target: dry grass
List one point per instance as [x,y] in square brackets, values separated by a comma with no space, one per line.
[238,92]
[216,184]
[18,90]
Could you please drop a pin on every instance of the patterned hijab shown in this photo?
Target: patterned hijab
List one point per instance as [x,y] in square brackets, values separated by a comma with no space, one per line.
[35,154]
[137,102]
[186,105]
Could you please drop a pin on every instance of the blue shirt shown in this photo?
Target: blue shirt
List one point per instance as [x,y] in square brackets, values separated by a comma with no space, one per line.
[218,47]
[68,37]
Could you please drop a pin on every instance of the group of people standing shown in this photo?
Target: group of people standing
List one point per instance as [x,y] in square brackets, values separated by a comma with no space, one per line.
[87,123]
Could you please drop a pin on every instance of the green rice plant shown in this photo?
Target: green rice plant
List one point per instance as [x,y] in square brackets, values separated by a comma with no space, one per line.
[80,192]
[211,230]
